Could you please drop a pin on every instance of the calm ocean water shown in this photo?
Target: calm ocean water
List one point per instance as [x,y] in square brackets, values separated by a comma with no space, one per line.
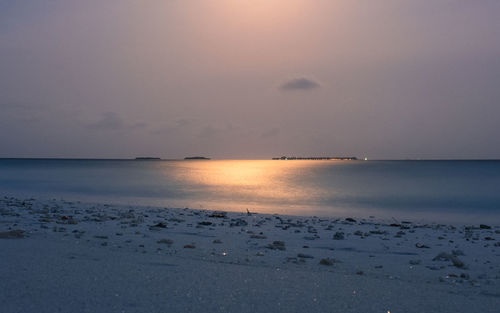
[454,191]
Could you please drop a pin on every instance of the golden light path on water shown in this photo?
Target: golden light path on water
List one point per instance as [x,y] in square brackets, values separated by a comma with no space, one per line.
[256,185]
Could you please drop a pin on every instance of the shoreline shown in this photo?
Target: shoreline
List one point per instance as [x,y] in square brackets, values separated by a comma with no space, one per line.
[314,263]
[374,214]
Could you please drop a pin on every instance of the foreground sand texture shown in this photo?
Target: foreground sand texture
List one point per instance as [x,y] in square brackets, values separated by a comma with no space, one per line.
[78,257]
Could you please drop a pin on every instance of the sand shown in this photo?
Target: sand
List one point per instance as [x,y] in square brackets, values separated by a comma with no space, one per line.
[81,257]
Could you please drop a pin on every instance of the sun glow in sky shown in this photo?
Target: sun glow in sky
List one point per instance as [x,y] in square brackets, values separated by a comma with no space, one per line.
[249,79]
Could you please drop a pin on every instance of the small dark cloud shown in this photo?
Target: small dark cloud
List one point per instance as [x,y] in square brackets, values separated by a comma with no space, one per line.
[23,112]
[270,133]
[108,121]
[112,121]
[138,125]
[208,131]
[300,83]
[175,127]
[18,106]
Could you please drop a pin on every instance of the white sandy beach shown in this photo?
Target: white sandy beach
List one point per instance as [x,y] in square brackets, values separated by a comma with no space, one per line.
[59,256]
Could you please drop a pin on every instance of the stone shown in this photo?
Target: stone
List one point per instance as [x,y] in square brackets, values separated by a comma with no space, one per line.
[13,234]
[339,236]
[443,256]
[165,241]
[378,232]
[277,245]
[305,256]
[258,236]
[238,222]
[159,225]
[218,215]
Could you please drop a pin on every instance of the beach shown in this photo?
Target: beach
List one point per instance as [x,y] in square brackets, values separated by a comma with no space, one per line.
[66,256]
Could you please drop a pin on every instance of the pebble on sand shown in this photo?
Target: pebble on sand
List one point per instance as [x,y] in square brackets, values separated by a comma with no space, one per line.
[277,245]
[165,241]
[327,262]
[13,234]
[339,236]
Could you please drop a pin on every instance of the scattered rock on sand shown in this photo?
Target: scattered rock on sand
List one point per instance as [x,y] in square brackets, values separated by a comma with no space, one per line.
[13,234]
[378,232]
[190,246]
[165,241]
[218,215]
[277,245]
[238,222]
[399,234]
[443,256]
[176,220]
[327,262]
[305,256]
[483,226]
[421,246]
[258,236]
[311,237]
[339,236]
[159,225]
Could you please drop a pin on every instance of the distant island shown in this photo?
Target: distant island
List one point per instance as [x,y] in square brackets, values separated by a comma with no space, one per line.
[147,158]
[316,158]
[196,158]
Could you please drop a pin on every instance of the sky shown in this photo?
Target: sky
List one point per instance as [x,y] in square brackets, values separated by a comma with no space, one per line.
[246,79]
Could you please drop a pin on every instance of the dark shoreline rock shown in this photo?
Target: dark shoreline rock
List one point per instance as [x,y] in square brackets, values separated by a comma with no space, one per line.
[13,234]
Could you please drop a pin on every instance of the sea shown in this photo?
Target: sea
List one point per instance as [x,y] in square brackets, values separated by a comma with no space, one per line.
[441,191]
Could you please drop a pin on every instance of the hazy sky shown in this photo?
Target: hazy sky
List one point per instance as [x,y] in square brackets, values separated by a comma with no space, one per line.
[250,78]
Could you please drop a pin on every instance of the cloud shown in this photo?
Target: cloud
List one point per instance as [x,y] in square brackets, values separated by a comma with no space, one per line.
[19,106]
[300,83]
[270,133]
[108,121]
[208,131]
[112,121]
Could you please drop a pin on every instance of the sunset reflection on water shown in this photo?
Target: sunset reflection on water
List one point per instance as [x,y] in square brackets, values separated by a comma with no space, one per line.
[459,191]
[241,184]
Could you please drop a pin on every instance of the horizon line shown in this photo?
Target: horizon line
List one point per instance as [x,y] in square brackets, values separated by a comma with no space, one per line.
[241,159]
